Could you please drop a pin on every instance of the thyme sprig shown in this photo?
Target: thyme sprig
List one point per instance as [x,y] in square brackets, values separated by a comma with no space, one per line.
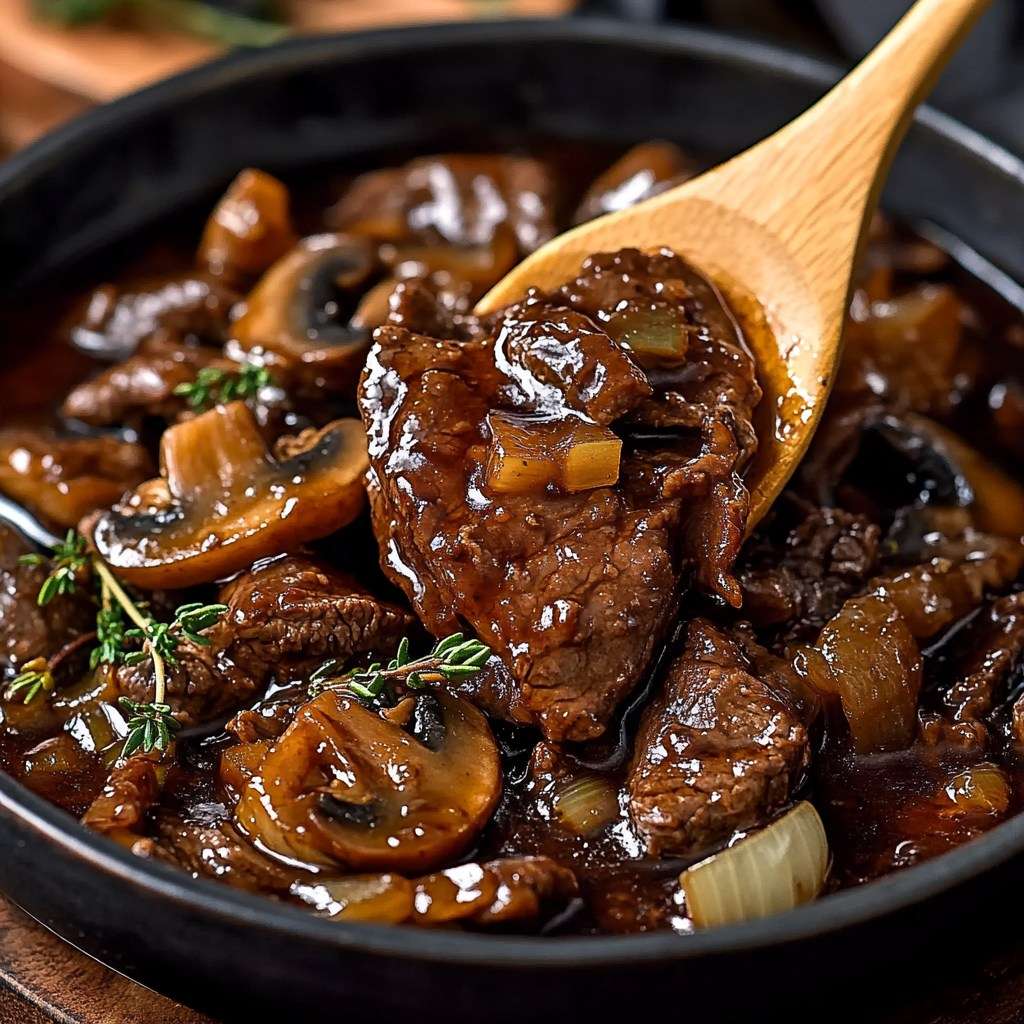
[150,725]
[214,386]
[34,678]
[68,562]
[452,659]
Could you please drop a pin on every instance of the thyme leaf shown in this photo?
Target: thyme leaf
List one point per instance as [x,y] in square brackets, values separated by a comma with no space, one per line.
[68,561]
[213,386]
[150,726]
[452,659]
[34,678]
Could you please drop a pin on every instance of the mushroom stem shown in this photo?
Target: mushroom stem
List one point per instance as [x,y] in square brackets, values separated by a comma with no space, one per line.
[112,586]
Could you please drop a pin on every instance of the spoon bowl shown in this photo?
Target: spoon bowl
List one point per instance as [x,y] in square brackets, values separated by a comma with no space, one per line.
[778,229]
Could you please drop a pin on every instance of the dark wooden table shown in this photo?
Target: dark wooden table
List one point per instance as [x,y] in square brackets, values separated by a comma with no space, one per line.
[43,980]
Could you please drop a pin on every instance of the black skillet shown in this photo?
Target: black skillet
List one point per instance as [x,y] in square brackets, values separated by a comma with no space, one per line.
[351,101]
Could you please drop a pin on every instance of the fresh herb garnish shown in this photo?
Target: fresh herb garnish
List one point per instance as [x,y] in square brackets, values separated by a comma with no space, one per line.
[150,725]
[452,659]
[214,386]
[34,678]
[162,638]
[66,565]
[203,19]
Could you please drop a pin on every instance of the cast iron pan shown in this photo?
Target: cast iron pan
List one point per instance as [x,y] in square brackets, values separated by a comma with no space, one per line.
[348,100]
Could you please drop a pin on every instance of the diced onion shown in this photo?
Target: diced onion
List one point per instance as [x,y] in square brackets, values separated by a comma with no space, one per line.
[586,804]
[657,335]
[531,452]
[774,870]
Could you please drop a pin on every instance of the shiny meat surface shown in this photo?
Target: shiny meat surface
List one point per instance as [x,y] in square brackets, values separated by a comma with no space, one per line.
[284,618]
[718,752]
[574,591]
[397,614]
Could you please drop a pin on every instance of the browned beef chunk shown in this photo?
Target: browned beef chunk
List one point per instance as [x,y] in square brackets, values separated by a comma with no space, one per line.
[644,171]
[131,792]
[471,215]
[284,617]
[190,307]
[214,849]
[717,752]
[572,590]
[710,395]
[27,630]
[142,385]
[63,479]
[997,646]
[825,558]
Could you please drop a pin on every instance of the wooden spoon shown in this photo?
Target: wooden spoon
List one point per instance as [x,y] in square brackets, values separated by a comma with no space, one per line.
[778,229]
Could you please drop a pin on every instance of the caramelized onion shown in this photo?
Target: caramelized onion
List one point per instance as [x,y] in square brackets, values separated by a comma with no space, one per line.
[869,658]
[529,453]
[657,334]
[982,789]
[385,898]
[773,870]
[586,803]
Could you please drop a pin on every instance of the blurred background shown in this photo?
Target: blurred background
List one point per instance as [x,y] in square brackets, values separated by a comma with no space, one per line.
[58,57]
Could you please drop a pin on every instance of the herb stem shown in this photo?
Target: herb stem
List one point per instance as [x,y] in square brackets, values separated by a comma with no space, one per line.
[110,583]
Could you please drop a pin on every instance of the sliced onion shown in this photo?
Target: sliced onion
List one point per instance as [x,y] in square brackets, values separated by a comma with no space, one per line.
[868,656]
[981,789]
[586,804]
[774,870]
[385,898]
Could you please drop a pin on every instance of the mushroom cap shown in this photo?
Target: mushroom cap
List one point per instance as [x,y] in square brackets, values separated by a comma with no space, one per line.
[298,314]
[228,502]
[346,785]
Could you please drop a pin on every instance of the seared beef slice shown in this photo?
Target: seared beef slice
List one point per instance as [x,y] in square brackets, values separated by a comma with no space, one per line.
[572,591]
[285,617]
[718,751]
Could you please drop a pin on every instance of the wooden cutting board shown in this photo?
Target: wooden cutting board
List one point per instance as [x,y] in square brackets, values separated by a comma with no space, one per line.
[101,62]
[42,980]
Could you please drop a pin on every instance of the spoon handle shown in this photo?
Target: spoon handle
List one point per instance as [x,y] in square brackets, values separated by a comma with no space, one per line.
[858,125]
[813,185]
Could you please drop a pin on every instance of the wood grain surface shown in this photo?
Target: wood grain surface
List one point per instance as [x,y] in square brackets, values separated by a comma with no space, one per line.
[43,980]
[104,61]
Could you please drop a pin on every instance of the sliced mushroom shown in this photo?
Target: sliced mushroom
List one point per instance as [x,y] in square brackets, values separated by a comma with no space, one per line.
[301,313]
[346,785]
[495,893]
[249,228]
[227,502]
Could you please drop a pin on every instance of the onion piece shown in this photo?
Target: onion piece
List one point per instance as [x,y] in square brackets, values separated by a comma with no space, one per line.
[385,898]
[586,803]
[867,655]
[773,870]
[657,335]
[982,789]
[530,452]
